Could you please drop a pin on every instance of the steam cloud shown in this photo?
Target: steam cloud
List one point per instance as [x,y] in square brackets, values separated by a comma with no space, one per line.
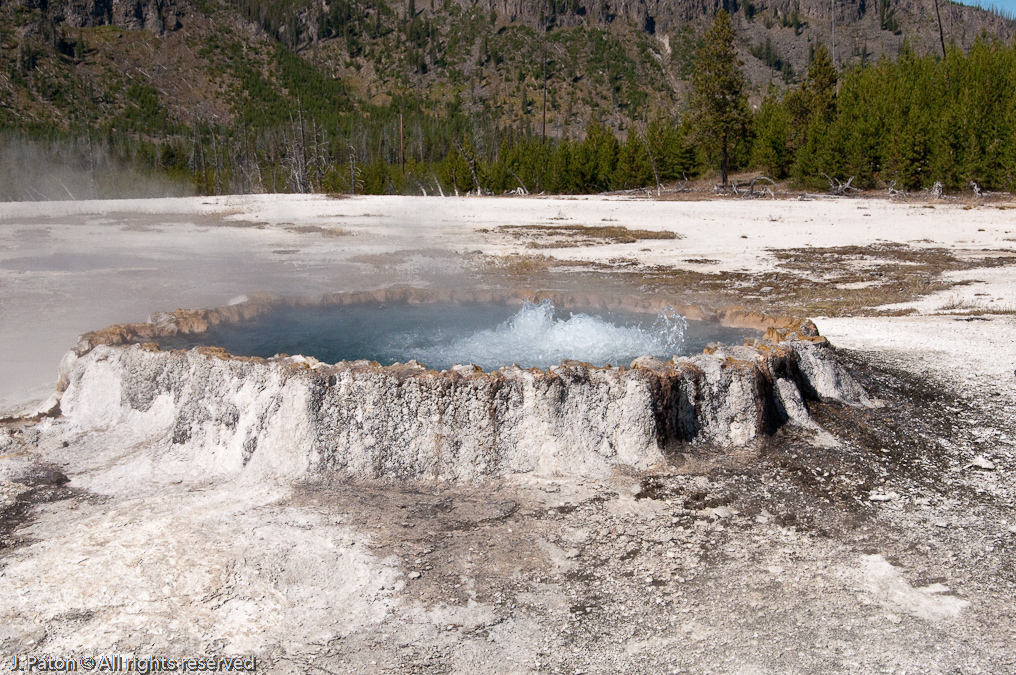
[69,169]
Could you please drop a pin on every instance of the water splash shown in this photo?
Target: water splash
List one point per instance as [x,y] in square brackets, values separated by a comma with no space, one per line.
[535,338]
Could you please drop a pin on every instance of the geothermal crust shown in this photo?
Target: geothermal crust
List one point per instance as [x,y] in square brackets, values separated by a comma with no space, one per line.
[292,416]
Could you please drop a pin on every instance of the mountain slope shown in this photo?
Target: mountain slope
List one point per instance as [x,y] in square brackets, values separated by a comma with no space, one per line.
[150,64]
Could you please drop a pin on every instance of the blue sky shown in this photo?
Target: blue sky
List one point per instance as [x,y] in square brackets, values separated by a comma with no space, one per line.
[1007,6]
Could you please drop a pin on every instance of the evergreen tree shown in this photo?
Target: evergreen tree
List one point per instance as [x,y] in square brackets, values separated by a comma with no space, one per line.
[914,120]
[595,158]
[454,173]
[812,110]
[771,149]
[820,86]
[563,177]
[634,168]
[669,149]
[719,105]
[526,162]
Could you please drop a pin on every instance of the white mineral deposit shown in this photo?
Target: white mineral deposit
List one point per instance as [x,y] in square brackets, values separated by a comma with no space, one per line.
[831,492]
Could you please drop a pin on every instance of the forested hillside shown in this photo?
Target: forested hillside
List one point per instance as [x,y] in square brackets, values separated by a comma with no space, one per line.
[442,96]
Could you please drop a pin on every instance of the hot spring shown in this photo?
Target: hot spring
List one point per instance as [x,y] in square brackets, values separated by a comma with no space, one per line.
[489,335]
[413,383]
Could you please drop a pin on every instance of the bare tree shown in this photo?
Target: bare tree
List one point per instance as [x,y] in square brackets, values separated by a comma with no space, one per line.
[652,160]
[893,191]
[438,184]
[353,171]
[472,167]
[941,33]
[525,190]
[838,187]
[751,194]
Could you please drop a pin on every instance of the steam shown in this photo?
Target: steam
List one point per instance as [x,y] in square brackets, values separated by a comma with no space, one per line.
[60,170]
[535,338]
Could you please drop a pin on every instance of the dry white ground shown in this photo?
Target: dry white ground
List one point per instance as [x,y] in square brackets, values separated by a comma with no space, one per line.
[772,560]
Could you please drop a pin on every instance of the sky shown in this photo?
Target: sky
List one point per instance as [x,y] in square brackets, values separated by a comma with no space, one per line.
[1007,6]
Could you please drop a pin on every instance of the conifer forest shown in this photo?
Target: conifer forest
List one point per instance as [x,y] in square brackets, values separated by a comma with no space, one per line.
[383,97]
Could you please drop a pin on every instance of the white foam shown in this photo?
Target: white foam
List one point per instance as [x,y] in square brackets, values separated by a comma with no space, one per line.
[533,337]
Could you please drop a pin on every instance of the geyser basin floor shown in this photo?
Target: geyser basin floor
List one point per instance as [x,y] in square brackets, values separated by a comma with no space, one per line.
[766,562]
[556,572]
[439,335]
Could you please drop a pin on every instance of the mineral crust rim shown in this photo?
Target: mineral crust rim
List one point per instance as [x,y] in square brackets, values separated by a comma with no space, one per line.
[196,321]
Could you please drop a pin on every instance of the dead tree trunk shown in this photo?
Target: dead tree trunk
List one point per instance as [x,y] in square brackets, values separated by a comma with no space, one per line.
[303,144]
[525,190]
[838,187]
[352,170]
[472,167]
[652,162]
[724,158]
[941,33]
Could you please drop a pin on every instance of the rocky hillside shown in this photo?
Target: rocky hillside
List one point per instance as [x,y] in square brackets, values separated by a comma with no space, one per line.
[157,66]
[156,15]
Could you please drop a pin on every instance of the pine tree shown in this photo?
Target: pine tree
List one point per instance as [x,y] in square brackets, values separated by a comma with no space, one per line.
[771,150]
[633,169]
[820,86]
[719,105]
[669,149]
[812,111]
[595,158]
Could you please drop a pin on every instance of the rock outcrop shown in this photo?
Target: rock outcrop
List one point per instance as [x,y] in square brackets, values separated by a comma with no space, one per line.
[290,416]
[156,16]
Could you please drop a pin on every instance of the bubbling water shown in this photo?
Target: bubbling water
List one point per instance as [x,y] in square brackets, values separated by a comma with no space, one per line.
[535,338]
[439,335]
